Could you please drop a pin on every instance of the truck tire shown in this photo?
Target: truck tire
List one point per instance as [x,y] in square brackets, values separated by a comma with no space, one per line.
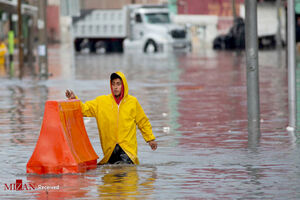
[92,45]
[150,47]
[77,45]
[101,47]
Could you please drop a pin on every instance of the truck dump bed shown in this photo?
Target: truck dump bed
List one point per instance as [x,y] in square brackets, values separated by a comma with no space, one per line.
[100,24]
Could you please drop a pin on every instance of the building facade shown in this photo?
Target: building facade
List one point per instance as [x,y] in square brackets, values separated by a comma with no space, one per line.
[208,7]
[115,4]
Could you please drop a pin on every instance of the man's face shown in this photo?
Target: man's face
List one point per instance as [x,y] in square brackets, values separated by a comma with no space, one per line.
[116,85]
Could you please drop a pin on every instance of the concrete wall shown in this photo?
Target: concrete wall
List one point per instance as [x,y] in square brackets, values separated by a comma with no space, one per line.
[203,28]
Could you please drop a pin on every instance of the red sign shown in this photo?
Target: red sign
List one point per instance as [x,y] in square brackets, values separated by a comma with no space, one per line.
[19,186]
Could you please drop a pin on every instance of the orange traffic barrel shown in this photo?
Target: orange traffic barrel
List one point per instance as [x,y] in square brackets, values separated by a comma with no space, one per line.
[63,145]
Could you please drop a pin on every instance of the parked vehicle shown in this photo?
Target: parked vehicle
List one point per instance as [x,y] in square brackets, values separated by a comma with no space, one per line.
[267,29]
[234,39]
[146,28]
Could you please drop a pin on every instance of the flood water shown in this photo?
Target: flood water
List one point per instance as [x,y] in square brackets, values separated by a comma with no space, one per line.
[197,105]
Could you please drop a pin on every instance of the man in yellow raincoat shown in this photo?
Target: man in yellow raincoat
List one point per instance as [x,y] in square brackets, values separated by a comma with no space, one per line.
[117,115]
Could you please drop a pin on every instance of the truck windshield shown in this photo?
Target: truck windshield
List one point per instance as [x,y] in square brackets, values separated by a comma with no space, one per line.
[157,18]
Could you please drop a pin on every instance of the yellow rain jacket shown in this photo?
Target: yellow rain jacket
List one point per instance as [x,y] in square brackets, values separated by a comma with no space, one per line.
[117,123]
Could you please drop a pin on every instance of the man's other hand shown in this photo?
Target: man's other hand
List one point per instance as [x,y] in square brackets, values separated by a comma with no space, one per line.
[70,94]
[153,145]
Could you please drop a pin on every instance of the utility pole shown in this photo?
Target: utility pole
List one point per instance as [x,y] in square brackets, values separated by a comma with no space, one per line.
[30,45]
[291,65]
[20,38]
[252,71]
[233,9]
[278,35]
[42,47]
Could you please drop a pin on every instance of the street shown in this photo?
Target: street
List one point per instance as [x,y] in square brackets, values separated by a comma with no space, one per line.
[197,105]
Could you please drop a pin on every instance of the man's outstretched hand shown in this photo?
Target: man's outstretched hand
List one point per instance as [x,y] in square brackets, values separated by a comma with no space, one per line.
[70,94]
[153,145]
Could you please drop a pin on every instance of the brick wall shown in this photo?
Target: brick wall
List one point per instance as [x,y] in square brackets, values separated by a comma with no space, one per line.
[115,4]
[53,23]
[207,7]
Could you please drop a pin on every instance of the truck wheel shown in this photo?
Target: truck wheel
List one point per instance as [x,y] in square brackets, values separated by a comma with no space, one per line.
[92,46]
[150,47]
[77,45]
[101,47]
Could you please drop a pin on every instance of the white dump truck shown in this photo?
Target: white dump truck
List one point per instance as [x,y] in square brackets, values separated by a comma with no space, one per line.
[146,28]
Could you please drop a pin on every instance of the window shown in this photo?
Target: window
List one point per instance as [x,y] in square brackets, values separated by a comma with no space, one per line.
[157,18]
[138,18]
[112,28]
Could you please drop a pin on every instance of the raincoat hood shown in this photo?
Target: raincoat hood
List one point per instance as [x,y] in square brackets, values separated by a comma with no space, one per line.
[124,92]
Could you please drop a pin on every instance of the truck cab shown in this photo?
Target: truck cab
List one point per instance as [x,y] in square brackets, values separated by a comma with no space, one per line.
[151,30]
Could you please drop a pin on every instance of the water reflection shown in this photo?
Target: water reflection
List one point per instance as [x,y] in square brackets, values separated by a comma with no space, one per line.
[11,69]
[17,108]
[212,107]
[2,70]
[63,186]
[26,104]
[124,182]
